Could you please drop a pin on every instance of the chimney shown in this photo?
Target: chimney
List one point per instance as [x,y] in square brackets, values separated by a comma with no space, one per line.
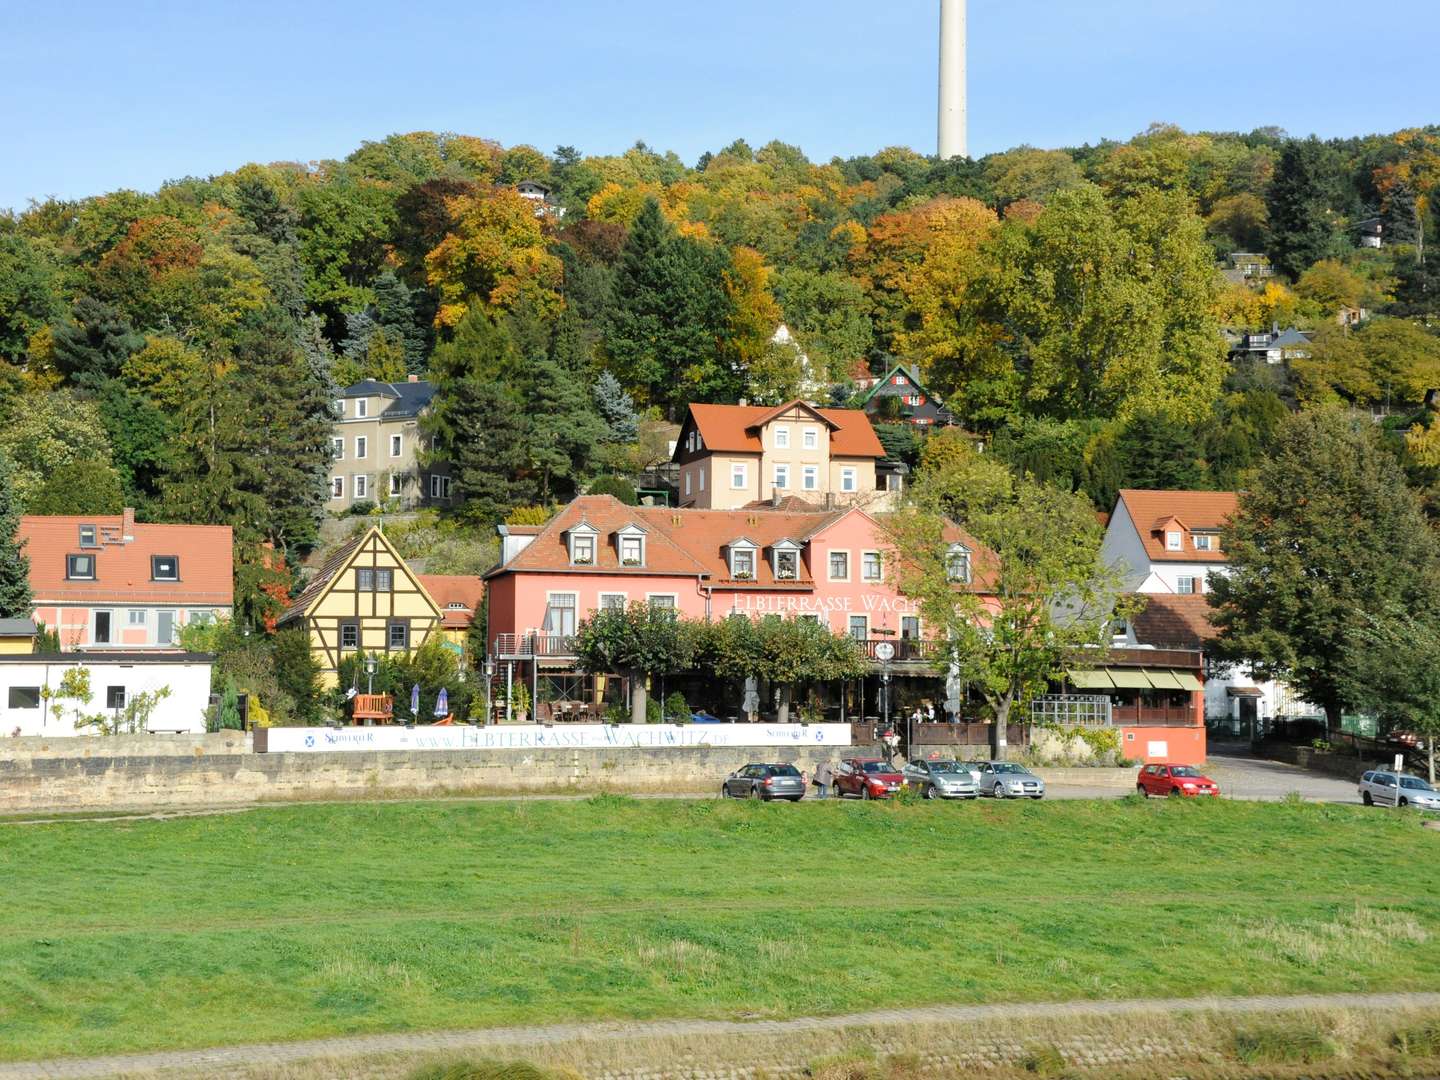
[127,525]
[413,378]
[775,497]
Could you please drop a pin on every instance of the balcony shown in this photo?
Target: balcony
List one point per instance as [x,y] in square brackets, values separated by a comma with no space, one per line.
[534,646]
[907,650]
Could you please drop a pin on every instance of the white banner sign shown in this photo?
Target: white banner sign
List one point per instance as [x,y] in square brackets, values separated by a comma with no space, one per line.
[559,737]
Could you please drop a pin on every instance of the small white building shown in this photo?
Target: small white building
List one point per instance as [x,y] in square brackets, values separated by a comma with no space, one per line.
[1166,544]
[30,684]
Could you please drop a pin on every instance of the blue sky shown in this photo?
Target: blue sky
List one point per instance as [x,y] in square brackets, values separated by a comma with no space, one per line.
[102,94]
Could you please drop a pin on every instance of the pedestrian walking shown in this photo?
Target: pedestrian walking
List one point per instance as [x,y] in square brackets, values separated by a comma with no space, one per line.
[891,742]
[824,777]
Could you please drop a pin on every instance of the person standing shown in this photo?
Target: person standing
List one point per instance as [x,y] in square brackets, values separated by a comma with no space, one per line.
[824,777]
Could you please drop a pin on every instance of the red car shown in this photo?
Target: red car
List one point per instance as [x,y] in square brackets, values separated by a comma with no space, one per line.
[868,778]
[1183,780]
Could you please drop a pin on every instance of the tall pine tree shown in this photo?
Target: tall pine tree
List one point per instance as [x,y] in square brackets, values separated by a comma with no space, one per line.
[1302,230]
[617,410]
[15,597]
[91,348]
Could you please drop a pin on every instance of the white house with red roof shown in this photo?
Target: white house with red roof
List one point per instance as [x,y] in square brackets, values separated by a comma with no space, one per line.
[105,581]
[1167,545]
[732,456]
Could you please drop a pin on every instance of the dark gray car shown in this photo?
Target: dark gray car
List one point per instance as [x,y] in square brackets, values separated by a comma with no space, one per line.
[764,781]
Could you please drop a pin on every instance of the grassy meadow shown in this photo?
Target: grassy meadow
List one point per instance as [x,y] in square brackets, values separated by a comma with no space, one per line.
[305,921]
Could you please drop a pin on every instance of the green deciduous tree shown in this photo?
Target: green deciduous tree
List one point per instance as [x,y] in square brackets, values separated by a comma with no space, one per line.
[1395,671]
[29,292]
[1326,533]
[781,652]
[15,597]
[639,641]
[1038,599]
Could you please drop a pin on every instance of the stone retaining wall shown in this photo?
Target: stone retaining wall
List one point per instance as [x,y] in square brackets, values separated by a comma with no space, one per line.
[118,781]
[32,747]
[1345,766]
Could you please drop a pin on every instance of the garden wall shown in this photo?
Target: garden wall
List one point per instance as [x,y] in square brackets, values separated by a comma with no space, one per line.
[1346,766]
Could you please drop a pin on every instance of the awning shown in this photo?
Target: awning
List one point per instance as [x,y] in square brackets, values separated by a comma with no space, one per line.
[1187,681]
[1090,680]
[1163,680]
[1243,691]
[1129,679]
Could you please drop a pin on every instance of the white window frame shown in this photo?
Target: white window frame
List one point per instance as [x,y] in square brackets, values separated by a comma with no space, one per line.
[865,574]
[687,483]
[362,447]
[1209,541]
[782,438]
[963,553]
[397,484]
[849,479]
[739,475]
[574,609]
[1187,585]
[749,552]
[810,438]
[782,475]
[1174,541]
[585,557]
[360,485]
[337,487]
[850,626]
[337,448]
[439,487]
[397,445]
[624,599]
[674,599]
[635,537]
[775,555]
[142,621]
[362,408]
[830,567]
[810,478]
[702,478]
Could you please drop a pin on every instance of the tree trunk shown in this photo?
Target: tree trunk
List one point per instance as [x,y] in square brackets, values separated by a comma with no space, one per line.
[1430,756]
[782,712]
[637,698]
[1002,722]
[1332,722]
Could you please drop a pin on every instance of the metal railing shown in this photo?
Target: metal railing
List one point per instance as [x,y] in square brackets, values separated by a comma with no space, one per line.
[907,650]
[533,646]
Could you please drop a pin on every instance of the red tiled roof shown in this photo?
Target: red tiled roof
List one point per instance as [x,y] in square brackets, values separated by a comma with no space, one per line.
[1194,510]
[446,589]
[793,504]
[1174,622]
[693,543]
[734,428]
[122,568]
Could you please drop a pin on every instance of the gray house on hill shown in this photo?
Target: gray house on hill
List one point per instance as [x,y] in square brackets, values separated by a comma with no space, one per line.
[377,448]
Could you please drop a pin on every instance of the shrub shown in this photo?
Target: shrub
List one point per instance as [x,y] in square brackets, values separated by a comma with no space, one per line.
[614,485]
[677,710]
[1043,1061]
[617,714]
[530,515]
[363,508]
[1281,1044]
[490,1070]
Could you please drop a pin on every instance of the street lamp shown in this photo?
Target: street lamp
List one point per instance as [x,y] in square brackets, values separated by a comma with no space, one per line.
[370,667]
[885,652]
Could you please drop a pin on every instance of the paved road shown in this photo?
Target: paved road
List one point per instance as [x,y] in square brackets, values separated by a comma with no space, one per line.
[1246,777]
[516,1039]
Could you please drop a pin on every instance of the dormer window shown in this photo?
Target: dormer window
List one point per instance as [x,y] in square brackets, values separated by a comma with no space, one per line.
[88,537]
[957,564]
[1205,542]
[630,545]
[79,567]
[1174,541]
[582,539]
[785,560]
[742,560]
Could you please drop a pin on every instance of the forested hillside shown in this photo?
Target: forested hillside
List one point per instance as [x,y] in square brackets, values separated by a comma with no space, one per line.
[178,351]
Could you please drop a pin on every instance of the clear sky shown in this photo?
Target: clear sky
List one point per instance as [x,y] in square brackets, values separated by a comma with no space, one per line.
[102,94]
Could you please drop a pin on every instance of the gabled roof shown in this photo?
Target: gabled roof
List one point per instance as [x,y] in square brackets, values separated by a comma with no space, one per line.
[338,560]
[795,403]
[408,398]
[467,590]
[1292,338]
[1195,511]
[1174,622]
[122,566]
[911,372]
[692,543]
[733,429]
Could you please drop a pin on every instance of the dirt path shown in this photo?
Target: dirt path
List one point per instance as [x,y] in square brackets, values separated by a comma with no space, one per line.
[515,1040]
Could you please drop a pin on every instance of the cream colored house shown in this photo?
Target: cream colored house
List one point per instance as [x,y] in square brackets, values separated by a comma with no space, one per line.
[731,456]
[376,447]
[363,600]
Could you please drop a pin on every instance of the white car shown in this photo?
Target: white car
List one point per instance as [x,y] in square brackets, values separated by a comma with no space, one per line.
[1382,788]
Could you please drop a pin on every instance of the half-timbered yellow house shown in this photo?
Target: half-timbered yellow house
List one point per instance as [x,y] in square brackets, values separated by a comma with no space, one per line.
[363,600]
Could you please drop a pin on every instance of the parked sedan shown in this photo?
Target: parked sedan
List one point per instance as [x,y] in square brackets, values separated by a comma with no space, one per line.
[1006,779]
[1182,780]
[761,781]
[868,778]
[1397,789]
[943,779]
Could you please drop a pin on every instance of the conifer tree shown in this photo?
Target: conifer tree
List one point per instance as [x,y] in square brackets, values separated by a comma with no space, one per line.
[1301,229]
[616,409]
[91,349]
[15,597]
[564,428]
[1401,219]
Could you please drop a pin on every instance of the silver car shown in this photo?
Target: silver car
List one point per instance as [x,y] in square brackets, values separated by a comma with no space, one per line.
[945,779]
[1397,789]
[1005,779]
[773,781]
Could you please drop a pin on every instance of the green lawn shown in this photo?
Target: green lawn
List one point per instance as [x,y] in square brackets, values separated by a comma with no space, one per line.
[315,920]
